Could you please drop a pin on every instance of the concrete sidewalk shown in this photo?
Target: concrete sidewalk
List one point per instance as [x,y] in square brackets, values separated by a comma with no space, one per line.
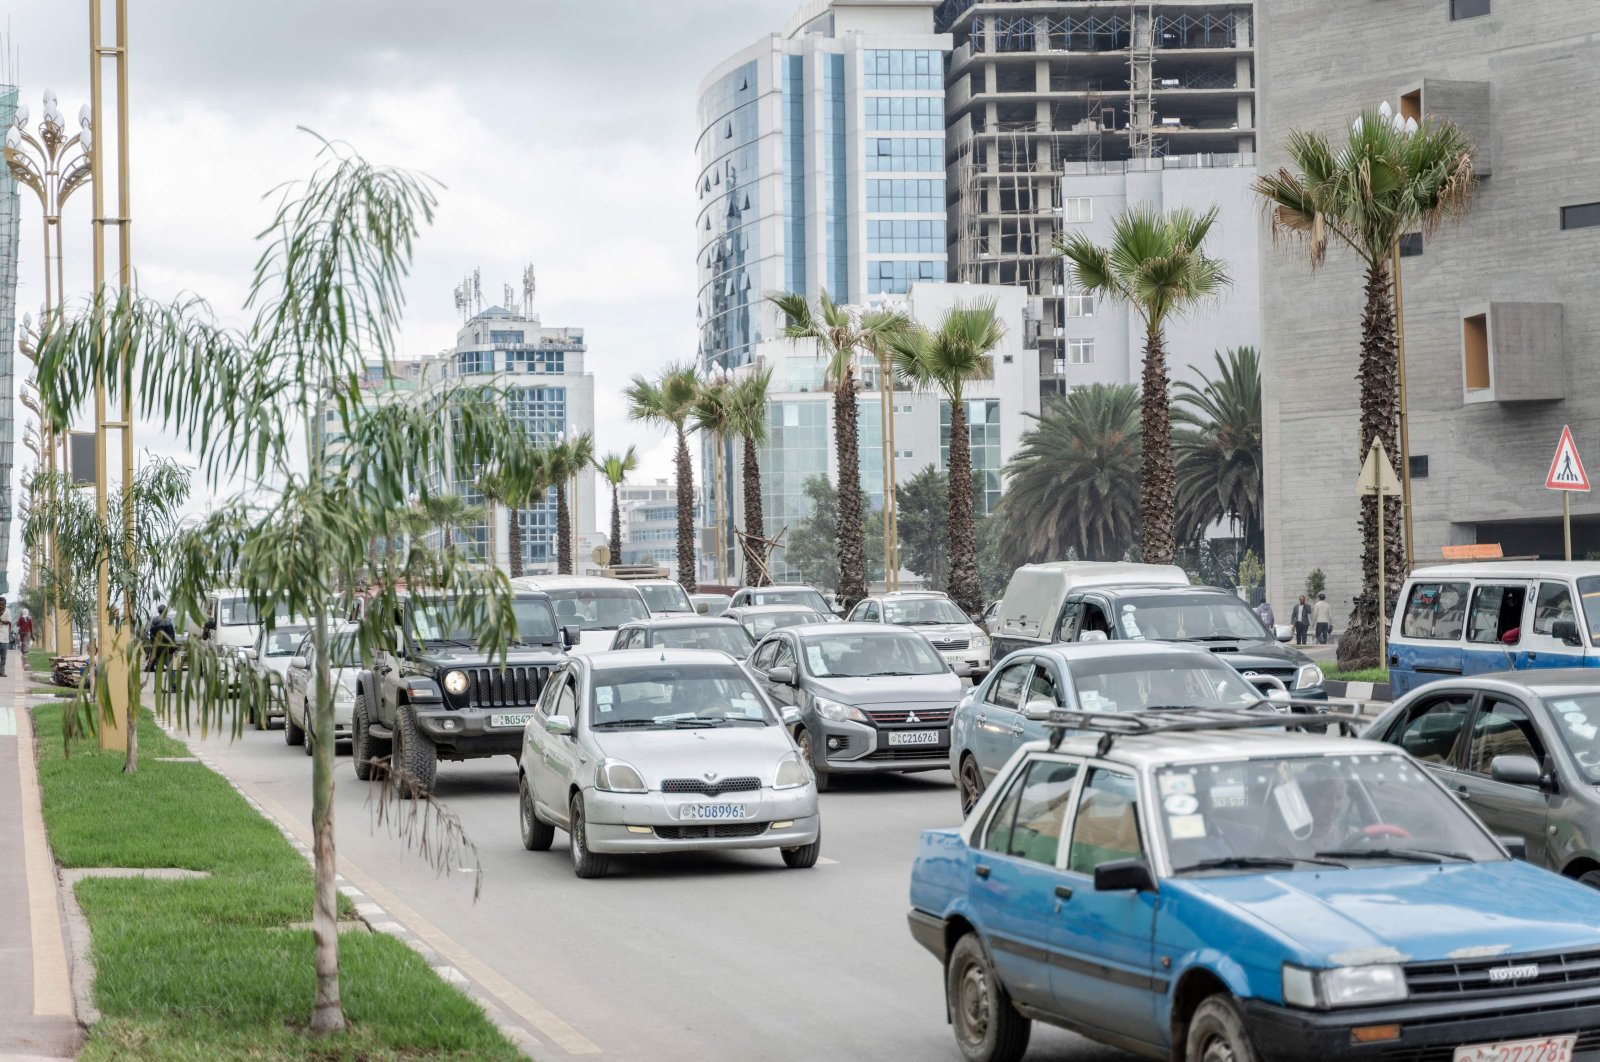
[36,1011]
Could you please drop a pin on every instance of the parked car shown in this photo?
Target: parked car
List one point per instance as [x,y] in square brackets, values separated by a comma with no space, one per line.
[662,751]
[1035,602]
[1522,749]
[1013,706]
[991,619]
[268,659]
[595,604]
[788,594]
[762,620]
[299,680]
[687,632]
[1468,619]
[711,604]
[871,697]
[1206,895]
[230,626]
[664,597]
[960,641]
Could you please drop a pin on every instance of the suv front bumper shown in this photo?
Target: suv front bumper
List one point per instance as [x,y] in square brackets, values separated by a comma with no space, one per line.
[467,733]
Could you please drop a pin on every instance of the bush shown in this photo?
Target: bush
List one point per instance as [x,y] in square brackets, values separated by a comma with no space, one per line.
[1316,583]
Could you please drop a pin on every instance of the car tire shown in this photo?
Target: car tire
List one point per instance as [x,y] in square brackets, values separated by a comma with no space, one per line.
[1591,879]
[803,857]
[292,734]
[364,748]
[969,780]
[808,750]
[987,1027]
[1217,1033]
[537,835]
[585,864]
[415,759]
[309,742]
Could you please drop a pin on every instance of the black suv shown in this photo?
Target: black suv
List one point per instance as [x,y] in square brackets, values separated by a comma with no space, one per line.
[440,697]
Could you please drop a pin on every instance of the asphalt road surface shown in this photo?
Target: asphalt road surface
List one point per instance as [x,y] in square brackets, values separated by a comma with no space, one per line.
[692,957]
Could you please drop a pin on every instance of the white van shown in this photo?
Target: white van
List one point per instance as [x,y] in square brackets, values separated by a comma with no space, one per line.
[596,604]
[1036,597]
[231,624]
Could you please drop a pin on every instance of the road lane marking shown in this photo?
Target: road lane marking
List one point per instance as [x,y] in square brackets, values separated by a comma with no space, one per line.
[8,722]
[824,861]
[52,984]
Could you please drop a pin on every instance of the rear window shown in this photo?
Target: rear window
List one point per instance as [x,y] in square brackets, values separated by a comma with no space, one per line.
[1435,611]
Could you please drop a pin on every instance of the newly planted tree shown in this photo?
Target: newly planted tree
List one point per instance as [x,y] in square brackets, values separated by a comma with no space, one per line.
[747,418]
[668,401]
[615,467]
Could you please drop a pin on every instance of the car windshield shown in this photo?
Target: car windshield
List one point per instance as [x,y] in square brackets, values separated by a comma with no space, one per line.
[665,597]
[867,655]
[1577,717]
[1123,683]
[794,595]
[1589,591]
[727,638]
[239,612]
[676,696]
[344,651]
[599,609]
[764,623]
[1309,812]
[285,641]
[715,604]
[433,620]
[922,611]
[1190,618]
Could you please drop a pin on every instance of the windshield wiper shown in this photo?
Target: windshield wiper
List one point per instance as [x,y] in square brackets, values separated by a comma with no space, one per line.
[449,641]
[620,723]
[1418,855]
[1217,638]
[690,724]
[1255,862]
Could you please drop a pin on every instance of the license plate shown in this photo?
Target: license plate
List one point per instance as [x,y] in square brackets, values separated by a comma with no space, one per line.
[1550,1049]
[913,737]
[703,812]
[513,719]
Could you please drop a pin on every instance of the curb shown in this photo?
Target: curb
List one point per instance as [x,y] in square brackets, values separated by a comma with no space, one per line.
[1375,692]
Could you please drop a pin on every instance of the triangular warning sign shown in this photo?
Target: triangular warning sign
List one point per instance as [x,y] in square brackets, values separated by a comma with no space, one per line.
[1566,470]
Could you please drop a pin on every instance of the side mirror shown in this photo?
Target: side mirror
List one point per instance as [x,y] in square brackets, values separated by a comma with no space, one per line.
[701,607]
[1516,770]
[1567,631]
[558,724]
[1123,875]
[1038,709]
[961,668]
[790,716]
[1284,633]
[1093,636]
[571,634]
[250,654]
[299,662]
[1517,846]
[783,676]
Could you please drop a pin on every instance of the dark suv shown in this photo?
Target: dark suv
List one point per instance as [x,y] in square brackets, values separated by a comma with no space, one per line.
[438,696]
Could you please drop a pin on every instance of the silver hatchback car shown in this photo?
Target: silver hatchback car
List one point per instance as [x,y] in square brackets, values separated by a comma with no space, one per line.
[662,750]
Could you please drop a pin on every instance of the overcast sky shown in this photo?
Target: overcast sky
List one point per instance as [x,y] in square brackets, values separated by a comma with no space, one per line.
[563,131]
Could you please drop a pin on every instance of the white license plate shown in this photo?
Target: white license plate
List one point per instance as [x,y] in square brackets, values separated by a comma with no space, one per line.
[513,719]
[1549,1049]
[705,812]
[913,737]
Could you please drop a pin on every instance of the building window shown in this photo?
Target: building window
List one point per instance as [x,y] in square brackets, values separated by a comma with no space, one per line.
[1460,9]
[914,154]
[1475,351]
[905,237]
[1581,216]
[506,338]
[1080,305]
[1411,245]
[474,361]
[902,196]
[1078,210]
[905,112]
[896,278]
[901,69]
[794,164]
[1080,352]
[836,203]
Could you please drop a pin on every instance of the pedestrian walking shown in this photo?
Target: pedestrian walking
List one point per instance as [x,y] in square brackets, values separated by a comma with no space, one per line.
[1264,610]
[1322,619]
[163,638]
[1300,616]
[25,632]
[7,632]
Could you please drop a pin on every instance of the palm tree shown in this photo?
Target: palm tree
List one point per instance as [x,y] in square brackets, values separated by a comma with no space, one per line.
[615,467]
[946,360]
[667,401]
[1155,264]
[712,414]
[1217,443]
[747,418]
[514,481]
[1073,486]
[564,461]
[840,335]
[1385,179]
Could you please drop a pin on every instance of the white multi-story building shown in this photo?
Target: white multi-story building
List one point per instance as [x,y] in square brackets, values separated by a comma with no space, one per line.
[649,517]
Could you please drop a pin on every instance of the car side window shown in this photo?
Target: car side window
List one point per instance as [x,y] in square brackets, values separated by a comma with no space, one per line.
[1431,728]
[1106,827]
[567,701]
[551,692]
[1007,689]
[1501,728]
[1095,619]
[1067,629]
[784,657]
[872,613]
[1042,686]
[1554,604]
[1496,614]
[1041,812]
[997,833]
[1435,611]
[761,659]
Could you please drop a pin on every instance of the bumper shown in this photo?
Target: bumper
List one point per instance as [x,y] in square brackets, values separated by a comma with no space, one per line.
[929,931]
[650,822]
[976,660]
[467,734]
[855,748]
[1428,1031]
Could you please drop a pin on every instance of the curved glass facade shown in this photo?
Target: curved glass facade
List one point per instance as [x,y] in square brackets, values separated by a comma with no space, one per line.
[728,222]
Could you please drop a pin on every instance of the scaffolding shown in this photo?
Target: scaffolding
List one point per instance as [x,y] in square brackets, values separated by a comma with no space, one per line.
[1141,79]
[10,215]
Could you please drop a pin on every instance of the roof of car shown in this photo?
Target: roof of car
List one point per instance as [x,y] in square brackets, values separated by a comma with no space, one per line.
[1150,751]
[830,630]
[767,610]
[656,623]
[1170,591]
[1507,569]
[566,582]
[1070,651]
[706,597]
[646,582]
[898,594]
[782,586]
[624,658]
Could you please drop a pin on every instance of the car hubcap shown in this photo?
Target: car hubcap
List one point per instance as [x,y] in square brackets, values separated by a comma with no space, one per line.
[969,783]
[577,834]
[522,808]
[1218,1050]
[973,1004]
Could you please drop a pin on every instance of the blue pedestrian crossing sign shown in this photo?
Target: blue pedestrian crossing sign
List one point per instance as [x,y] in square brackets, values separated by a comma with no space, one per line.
[1566,468]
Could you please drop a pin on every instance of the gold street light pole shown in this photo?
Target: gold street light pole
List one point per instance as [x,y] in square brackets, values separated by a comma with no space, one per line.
[54,165]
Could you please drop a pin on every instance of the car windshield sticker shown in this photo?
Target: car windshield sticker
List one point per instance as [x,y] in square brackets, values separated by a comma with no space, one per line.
[748,705]
[603,697]
[814,660]
[1181,804]
[1228,796]
[1292,806]
[1093,702]
[1186,827]
[1130,626]
[1173,783]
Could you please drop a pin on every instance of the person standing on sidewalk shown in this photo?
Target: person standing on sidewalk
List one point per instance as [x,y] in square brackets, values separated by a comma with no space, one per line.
[1322,617]
[6,631]
[163,640]
[1300,616]
[25,633]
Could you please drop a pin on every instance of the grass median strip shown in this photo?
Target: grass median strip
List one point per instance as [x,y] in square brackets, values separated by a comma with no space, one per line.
[209,968]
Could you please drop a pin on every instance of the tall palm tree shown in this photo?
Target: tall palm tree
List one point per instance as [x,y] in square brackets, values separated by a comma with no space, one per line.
[1384,179]
[1154,263]
[1217,443]
[566,460]
[615,467]
[712,415]
[946,360]
[747,418]
[840,334]
[1073,484]
[668,401]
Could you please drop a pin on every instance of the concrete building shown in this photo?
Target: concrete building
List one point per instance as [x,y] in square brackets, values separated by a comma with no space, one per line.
[1500,315]
[1051,102]
[649,515]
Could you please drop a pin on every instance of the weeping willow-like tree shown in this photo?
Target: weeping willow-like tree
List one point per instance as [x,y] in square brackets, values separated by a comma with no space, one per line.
[326,298]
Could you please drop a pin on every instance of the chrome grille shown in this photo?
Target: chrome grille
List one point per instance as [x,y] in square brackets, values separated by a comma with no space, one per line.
[949,645]
[514,687]
[1471,978]
[910,752]
[712,830]
[696,785]
[936,717]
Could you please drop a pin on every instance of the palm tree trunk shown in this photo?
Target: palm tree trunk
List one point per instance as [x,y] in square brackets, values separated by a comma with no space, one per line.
[686,550]
[964,587]
[1155,473]
[327,1013]
[754,519]
[514,543]
[563,530]
[851,520]
[616,526]
[1380,414]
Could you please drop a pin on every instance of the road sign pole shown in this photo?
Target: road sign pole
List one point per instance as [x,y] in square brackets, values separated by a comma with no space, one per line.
[1383,564]
[1566,520]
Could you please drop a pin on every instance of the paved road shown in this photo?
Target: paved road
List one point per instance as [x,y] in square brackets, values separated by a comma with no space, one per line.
[692,957]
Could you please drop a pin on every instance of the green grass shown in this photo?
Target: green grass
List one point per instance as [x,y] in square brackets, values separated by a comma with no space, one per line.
[207,969]
[38,660]
[1371,674]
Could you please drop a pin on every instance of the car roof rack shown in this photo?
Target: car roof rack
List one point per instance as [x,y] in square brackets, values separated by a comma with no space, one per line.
[1112,725]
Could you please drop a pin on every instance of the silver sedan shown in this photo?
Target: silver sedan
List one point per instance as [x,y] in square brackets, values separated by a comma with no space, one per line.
[662,750]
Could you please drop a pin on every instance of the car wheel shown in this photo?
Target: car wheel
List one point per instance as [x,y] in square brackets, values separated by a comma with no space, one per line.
[536,835]
[585,864]
[805,856]
[809,751]
[308,744]
[292,734]
[415,759]
[364,748]
[971,783]
[988,1028]
[1217,1033]
[1591,879]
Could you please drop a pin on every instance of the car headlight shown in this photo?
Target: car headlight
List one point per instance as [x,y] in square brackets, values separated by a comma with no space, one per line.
[792,774]
[835,712]
[343,694]
[979,638]
[1343,986]
[615,776]
[455,683]
[1308,675]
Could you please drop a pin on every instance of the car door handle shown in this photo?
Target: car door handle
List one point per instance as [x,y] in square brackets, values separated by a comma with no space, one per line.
[1463,794]
[982,871]
[1063,892]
